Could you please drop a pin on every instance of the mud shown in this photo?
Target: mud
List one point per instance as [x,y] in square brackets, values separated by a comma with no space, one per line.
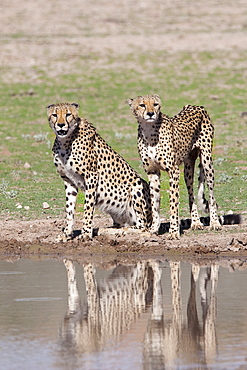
[38,237]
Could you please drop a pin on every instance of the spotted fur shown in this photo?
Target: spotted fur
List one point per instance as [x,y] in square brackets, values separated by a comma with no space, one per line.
[166,142]
[85,161]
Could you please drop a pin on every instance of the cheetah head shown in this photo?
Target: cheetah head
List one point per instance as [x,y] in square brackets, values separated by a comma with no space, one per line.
[63,118]
[146,108]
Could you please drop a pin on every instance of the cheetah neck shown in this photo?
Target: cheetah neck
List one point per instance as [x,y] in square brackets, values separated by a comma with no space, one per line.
[150,132]
[65,142]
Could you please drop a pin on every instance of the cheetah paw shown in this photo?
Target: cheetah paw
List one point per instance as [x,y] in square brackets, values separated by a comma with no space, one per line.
[63,238]
[215,225]
[196,225]
[173,235]
[85,237]
[154,231]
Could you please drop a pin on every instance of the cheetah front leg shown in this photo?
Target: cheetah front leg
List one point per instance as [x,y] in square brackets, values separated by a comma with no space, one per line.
[71,194]
[154,184]
[174,203]
[74,305]
[91,182]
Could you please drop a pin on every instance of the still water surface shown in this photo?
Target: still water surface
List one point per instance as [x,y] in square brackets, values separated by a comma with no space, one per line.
[147,315]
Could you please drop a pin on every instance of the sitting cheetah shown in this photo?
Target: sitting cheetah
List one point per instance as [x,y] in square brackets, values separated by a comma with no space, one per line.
[164,143]
[84,160]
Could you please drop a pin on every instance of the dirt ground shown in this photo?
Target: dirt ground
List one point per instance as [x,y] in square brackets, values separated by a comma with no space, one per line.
[39,237]
[54,36]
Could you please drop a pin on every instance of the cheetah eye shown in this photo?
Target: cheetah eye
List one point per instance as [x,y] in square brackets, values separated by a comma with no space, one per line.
[142,105]
[156,104]
[68,115]
[54,115]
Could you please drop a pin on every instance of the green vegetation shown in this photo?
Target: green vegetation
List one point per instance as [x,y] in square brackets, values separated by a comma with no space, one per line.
[28,176]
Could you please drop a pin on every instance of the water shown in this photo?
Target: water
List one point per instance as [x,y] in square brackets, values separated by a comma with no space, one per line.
[145,315]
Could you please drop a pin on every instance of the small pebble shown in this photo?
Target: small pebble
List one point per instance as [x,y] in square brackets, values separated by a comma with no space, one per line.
[27,166]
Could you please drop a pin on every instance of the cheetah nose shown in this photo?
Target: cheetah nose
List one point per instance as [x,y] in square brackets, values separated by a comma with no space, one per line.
[61,125]
[150,114]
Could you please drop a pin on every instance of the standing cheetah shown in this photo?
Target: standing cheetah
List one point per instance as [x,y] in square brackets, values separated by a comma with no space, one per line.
[84,160]
[164,143]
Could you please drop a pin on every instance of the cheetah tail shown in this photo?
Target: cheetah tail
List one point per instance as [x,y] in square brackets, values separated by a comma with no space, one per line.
[202,201]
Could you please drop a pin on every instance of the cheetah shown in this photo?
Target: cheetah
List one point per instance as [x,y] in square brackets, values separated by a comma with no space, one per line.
[85,161]
[164,143]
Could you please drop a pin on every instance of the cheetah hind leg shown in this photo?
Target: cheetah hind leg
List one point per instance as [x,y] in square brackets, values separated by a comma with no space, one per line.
[202,201]
[141,209]
[208,206]
[189,166]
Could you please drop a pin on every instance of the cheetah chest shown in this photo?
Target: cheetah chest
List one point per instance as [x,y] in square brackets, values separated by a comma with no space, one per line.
[65,169]
[152,154]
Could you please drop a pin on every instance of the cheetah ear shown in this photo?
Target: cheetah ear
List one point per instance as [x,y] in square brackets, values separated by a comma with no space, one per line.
[129,101]
[50,106]
[76,105]
[156,96]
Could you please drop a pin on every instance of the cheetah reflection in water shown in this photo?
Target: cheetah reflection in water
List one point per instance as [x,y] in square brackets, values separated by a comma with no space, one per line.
[169,341]
[112,306]
[134,292]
